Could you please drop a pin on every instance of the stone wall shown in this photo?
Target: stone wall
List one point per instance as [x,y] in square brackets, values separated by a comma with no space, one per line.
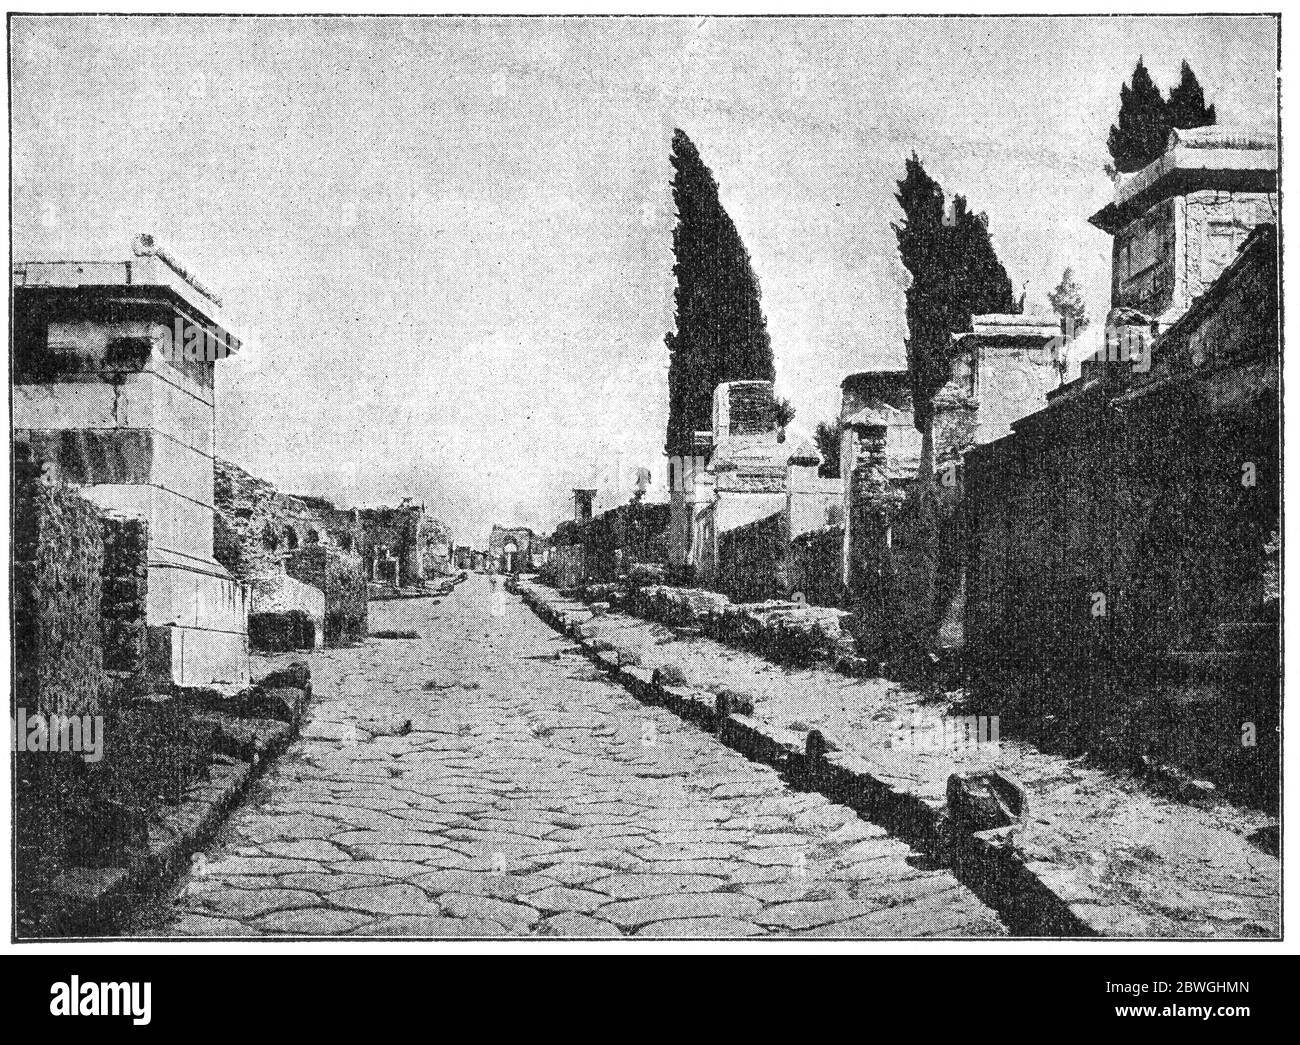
[58,593]
[743,408]
[752,559]
[814,566]
[256,524]
[124,602]
[339,575]
[1129,533]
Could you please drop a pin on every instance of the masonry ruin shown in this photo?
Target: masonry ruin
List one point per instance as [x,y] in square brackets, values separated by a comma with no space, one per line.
[103,401]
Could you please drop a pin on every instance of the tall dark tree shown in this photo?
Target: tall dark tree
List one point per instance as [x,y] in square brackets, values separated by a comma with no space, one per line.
[955,274]
[1141,131]
[721,332]
[1187,102]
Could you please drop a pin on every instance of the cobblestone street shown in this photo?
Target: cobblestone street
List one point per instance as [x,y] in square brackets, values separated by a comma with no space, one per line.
[481,780]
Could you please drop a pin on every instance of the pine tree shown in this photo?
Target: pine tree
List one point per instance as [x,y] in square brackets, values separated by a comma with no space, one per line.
[721,332]
[955,274]
[1187,102]
[1142,129]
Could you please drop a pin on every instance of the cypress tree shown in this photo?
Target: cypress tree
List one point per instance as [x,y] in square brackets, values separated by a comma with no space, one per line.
[955,274]
[1187,102]
[1142,129]
[721,332]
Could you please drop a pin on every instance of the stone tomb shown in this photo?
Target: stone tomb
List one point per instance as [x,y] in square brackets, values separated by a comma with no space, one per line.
[114,366]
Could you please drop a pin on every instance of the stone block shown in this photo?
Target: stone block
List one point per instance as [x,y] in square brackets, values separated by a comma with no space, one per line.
[984,800]
[197,657]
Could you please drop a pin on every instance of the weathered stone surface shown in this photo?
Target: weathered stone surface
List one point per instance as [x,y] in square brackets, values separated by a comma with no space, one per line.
[538,804]
[386,899]
[310,921]
[981,801]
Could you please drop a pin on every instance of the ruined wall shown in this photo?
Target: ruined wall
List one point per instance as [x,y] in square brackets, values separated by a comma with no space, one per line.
[814,566]
[393,531]
[743,408]
[1132,525]
[124,602]
[751,562]
[256,524]
[58,562]
[568,567]
[339,575]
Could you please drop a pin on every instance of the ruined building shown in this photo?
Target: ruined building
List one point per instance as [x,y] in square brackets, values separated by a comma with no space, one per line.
[749,489]
[510,549]
[299,556]
[1006,368]
[403,545]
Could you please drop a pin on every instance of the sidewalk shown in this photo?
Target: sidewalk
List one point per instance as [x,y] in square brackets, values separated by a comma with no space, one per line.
[1096,852]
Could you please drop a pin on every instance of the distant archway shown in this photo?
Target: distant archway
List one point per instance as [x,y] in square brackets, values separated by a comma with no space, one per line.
[290,538]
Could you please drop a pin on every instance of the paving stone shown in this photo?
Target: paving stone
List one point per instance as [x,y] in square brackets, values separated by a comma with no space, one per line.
[570,924]
[558,899]
[700,928]
[465,905]
[307,849]
[629,913]
[201,925]
[433,928]
[242,903]
[530,807]
[632,886]
[310,921]
[386,899]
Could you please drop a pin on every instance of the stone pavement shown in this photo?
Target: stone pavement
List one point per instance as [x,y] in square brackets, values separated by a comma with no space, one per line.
[1129,861]
[484,780]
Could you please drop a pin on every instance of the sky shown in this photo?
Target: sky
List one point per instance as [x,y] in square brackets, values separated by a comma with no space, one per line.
[450,239]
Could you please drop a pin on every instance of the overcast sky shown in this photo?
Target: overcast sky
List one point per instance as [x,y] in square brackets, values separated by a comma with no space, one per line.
[452,237]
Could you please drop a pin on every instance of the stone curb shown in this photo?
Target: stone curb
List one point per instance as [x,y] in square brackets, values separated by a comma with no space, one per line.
[92,901]
[984,862]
